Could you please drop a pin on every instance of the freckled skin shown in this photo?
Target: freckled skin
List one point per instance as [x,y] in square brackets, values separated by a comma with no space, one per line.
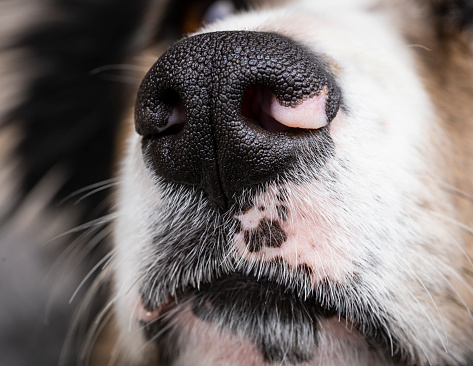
[299,237]
[254,240]
[268,233]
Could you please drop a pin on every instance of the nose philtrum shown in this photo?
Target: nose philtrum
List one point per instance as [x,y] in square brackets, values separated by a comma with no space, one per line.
[208,116]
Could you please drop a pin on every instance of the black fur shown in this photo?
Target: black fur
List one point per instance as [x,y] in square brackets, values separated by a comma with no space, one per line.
[265,313]
[453,16]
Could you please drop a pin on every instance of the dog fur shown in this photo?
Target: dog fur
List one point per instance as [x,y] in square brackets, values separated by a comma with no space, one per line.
[373,264]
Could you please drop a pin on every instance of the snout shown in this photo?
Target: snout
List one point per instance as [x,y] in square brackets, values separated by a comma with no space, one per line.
[226,111]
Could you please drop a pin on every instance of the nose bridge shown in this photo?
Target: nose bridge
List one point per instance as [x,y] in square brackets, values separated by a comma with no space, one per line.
[218,148]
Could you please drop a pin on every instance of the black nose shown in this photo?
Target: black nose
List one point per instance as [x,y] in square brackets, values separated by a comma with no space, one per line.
[202,110]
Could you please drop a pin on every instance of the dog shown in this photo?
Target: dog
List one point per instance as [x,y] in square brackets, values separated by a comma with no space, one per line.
[293,178]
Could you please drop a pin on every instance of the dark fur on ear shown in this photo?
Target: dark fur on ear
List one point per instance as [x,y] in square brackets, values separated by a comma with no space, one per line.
[453,16]
[70,113]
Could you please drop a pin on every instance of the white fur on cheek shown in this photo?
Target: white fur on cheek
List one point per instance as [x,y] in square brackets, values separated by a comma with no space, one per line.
[138,199]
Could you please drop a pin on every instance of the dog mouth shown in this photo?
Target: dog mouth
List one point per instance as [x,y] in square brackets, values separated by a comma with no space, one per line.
[282,323]
[197,279]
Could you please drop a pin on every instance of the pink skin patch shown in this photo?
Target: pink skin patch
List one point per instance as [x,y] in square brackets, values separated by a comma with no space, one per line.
[339,331]
[301,237]
[207,344]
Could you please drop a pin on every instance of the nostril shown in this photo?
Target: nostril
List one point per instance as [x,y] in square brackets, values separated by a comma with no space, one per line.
[176,120]
[256,106]
[261,105]
[161,115]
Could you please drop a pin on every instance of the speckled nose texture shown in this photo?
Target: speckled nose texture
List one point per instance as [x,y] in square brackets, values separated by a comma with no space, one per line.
[189,111]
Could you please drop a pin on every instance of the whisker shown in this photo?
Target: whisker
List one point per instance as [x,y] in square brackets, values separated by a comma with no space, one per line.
[452,189]
[71,259]
[84,309]
[420,344]
[71,249]
[92,186]
[106,186]
[419,46]
[114,354]
[460,297]
[71,252]
[462,250]
[91,272]
[92,337]
[412,272]
[100,221]
[453,221]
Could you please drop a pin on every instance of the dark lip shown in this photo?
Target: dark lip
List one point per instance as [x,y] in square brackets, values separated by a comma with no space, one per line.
[275,319]
[259,307]
[226,288]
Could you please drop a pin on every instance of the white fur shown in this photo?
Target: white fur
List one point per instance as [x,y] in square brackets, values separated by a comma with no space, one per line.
[385,168]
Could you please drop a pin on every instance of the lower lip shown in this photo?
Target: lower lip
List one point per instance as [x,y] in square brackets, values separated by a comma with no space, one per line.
[142,314]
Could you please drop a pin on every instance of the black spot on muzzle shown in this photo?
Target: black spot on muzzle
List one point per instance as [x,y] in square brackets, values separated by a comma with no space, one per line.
[189,111]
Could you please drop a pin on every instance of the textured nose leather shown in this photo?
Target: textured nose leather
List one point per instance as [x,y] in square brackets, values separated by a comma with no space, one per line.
[189,111]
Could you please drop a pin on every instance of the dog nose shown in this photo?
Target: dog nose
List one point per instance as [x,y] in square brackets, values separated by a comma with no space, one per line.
[226,111]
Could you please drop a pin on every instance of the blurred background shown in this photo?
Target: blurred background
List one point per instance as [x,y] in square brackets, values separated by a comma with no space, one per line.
[66,79]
